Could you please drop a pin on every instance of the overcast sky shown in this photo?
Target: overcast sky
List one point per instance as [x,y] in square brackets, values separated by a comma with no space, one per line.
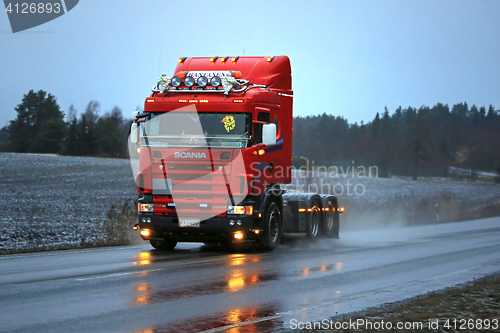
[349,58]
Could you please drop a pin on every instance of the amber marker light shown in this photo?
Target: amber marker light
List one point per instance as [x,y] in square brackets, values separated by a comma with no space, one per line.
[238,235]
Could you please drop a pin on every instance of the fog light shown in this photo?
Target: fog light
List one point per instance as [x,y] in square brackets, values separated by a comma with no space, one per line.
[145,232]
[238,235]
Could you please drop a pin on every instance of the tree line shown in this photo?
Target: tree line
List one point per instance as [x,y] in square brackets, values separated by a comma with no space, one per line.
[409,142]
[40,127]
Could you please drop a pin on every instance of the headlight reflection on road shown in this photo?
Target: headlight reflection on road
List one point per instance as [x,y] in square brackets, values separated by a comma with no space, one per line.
[144,258]
[237,259]
[236,281]
[143,296]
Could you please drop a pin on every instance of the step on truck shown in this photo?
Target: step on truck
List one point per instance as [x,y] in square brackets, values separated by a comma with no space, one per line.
[211,151]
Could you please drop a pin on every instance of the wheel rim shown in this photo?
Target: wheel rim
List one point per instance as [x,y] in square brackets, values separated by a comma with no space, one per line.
[315,221]
[274,225]
[330,219]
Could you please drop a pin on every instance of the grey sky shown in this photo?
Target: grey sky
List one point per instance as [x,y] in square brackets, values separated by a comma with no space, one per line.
[349,58]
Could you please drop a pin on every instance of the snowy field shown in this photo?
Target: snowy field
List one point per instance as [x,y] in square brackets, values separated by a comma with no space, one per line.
[53,202]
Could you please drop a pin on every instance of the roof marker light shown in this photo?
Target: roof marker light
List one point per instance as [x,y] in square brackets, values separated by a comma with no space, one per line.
[234,59]
[181,59]
[223,59]
[212,59]
[269,59]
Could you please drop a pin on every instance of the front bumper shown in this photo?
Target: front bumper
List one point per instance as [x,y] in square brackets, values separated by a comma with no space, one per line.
[216,229]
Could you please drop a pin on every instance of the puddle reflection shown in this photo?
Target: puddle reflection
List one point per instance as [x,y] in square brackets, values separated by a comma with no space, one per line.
[236,320]
[333,267]
[237,280]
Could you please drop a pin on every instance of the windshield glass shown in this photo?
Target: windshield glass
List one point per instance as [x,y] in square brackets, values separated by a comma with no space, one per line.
[200,129]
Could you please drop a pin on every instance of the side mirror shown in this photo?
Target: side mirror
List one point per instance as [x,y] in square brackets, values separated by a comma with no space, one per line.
[269,134]
[134,133]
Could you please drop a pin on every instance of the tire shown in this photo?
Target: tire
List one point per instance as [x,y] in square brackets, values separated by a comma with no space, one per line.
[163,244]
[331,223]
[315,222]
[273,228]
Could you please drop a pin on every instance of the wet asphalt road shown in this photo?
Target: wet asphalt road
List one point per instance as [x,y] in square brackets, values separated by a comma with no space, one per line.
[199,288]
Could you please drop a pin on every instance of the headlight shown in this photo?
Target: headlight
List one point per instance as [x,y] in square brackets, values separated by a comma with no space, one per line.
[189,81]
[215,81]
[240,210]
[145,208]
[176,81]
[202,81]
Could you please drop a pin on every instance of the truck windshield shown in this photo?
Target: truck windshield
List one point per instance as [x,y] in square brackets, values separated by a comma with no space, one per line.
[199,129]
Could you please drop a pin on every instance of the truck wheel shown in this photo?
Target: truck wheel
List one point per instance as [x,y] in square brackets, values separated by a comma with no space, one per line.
[272,227]
[163,244]
[314,223]
[331,227]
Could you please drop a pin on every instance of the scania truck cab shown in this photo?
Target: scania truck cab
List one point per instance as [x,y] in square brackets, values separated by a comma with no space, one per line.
[213,148]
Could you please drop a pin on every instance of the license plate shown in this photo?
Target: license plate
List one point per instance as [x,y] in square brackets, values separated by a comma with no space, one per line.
[189,223]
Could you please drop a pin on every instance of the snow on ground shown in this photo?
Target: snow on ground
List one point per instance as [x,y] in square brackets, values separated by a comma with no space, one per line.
[53,201]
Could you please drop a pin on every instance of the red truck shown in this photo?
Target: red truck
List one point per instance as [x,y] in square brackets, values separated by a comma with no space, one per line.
[214,146]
